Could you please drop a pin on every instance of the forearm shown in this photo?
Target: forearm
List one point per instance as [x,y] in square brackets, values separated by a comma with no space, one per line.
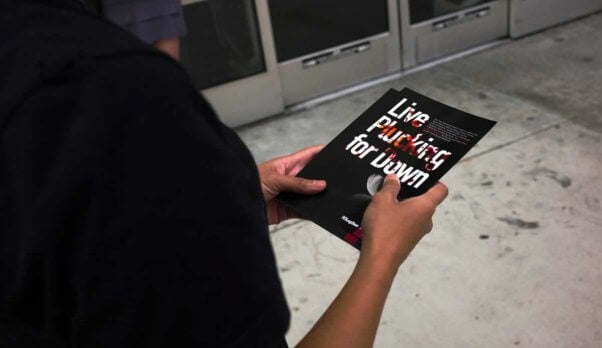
[391,230]
[353,317]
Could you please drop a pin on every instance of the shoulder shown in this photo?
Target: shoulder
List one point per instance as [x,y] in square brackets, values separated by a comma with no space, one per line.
[147,89]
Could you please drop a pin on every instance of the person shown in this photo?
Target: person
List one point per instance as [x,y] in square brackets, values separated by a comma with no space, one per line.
[130,216]
[157,22]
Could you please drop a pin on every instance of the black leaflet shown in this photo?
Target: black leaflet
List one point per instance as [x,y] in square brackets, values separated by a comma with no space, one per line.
[403,133]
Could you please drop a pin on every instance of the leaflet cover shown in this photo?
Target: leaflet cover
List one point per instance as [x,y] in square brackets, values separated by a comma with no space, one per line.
[404,133]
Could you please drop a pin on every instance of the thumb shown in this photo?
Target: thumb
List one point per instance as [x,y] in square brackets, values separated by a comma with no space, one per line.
[284,183]
[391,186]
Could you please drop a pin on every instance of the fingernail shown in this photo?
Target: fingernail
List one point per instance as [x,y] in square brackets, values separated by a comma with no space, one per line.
[318,183]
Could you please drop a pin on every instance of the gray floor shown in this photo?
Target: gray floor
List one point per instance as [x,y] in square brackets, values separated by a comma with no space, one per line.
[533,186]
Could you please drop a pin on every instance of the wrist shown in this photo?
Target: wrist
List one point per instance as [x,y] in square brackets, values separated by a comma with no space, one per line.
[378,265]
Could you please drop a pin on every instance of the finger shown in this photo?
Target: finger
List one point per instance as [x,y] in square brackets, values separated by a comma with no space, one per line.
[285,183]
[296,161]
[391,186]
[437,193]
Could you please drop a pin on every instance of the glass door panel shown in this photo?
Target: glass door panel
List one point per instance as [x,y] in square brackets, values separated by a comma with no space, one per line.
[223,43]
[229,53]
[305,27]
[422,10]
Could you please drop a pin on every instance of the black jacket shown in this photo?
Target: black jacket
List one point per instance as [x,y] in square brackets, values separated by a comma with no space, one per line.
[129,215]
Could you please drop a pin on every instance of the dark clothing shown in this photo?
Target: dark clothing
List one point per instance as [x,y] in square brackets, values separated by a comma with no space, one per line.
[150,20]
[129,215]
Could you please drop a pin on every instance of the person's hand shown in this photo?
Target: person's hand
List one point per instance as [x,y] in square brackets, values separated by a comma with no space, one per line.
[278,175]
[391,228]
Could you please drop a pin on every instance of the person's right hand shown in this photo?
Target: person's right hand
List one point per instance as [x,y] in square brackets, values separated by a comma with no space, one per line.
[391,228]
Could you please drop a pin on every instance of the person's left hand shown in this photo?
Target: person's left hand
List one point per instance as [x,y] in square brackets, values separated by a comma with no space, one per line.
[278,175]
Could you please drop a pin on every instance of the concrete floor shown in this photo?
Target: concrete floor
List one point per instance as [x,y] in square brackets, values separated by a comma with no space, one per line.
[515,257]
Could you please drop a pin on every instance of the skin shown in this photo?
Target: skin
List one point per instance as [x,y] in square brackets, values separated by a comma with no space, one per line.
[278,175]
[171,47]
[391,230]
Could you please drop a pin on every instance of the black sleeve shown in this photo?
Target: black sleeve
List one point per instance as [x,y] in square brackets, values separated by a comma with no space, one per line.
[154,220]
